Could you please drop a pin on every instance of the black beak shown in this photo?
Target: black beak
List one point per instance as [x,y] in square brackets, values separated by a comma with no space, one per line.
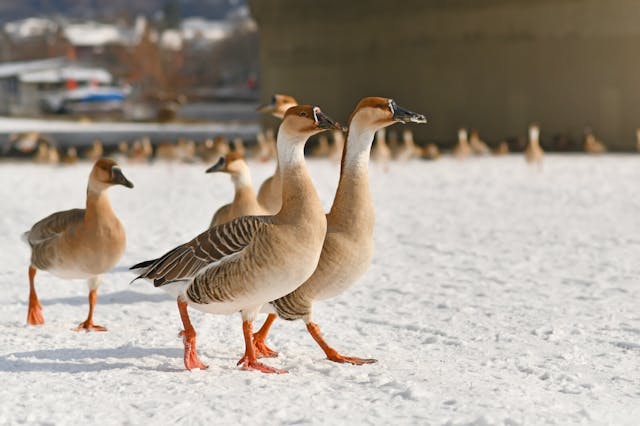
[324,121]
[268,108]
[117,178]
[218,167]
[405,116]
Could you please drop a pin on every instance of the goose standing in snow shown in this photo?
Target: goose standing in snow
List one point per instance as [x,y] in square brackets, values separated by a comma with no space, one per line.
[270,192]
[502,148]
[348,245]
[533,152]
[477,145]
[244,202]
[462,148]
[79,243]
[245,263]
[380,153]
[593,145]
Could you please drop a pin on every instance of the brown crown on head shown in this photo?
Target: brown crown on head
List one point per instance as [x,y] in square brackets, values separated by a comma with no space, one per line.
[370,102]
[105,164]
[233,156]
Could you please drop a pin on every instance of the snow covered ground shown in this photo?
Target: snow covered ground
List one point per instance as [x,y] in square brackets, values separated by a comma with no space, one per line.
[498,295]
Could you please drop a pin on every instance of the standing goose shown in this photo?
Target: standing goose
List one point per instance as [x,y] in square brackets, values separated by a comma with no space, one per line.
[381,152]
[477,145]
[270,192]
[462,148]
[244,202]
[534,153]
[245,263]
[79,243]
[348,245]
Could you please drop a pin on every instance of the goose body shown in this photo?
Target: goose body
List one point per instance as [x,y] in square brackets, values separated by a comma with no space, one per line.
[79,243]
[242,264]
[593,145]
[348,245]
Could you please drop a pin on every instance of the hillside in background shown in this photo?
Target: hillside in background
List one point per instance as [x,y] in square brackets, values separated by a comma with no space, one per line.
[103,10]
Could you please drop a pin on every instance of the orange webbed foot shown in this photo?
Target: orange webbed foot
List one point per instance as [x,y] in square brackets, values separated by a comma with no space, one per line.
[336,357]
[262,350]
[34,317]
[89,326]
[191,360]
[248,365]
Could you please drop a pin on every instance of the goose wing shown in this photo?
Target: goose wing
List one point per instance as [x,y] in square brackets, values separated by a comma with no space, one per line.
[52,226]
[216,245]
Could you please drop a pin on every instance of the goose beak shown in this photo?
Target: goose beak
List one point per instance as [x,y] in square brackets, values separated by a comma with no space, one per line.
[218,167]
[267,108]
[117,178]
[325,122]
[405,116]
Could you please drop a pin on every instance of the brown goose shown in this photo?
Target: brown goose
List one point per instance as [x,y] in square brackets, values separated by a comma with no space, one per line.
[270,192]
[79,243]
[242,264]
[348,245]
[462,148]
[244,202]
[533,153]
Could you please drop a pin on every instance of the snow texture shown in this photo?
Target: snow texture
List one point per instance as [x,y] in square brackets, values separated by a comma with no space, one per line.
[498,294]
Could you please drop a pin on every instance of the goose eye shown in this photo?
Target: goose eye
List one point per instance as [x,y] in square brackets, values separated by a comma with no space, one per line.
[302,114]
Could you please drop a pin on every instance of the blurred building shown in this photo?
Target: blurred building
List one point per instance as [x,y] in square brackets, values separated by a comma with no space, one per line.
[495,65]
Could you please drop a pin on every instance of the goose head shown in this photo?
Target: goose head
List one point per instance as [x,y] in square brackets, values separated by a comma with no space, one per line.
[376,113]
[107,173]
[534,132]
[232,163]
[278,105]
[462,134]
[306,121]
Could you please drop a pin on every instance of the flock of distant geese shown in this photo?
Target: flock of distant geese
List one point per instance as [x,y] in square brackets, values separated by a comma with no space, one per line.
[386,147]
[274,251]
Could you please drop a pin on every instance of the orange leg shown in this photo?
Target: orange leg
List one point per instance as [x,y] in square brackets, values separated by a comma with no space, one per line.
[88,324]
[191,360]
[259,345]
[249,361]
[34,317]
[331,353]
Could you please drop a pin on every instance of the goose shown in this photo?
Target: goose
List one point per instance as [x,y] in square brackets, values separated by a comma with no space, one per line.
[638,139]
[244,202]
[270,192]
[213,149]
[462,148]
[430,152]
[245,263]
[394,144]
[380,153]
[238,146]
[409,149]
[593,145]
[70,156]
[502,148]
[321,149]
[348,245]
[335,149]
[533,152]
[95,151]
[478,146]
[79,243]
